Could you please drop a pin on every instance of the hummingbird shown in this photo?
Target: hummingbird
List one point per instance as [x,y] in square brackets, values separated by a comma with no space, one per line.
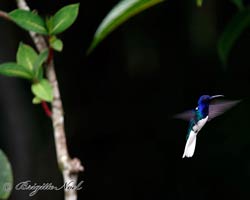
[208,108]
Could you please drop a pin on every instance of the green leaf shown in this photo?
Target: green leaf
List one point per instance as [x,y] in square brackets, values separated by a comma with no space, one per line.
[56,44]
[6,177]
[39,74]
[63,19]
[41,58]
[199,3]
[232,32]
[49,22]
[43,90]
[238,3]
[28,21]
[26,56]
[124,10]
[36,100]
[38,70]
[15,70]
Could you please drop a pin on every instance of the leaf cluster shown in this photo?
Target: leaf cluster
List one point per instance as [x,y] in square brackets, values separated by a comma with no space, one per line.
[29,64]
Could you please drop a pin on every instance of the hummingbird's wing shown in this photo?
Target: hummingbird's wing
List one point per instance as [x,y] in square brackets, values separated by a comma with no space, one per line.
[186,115]
[217,108]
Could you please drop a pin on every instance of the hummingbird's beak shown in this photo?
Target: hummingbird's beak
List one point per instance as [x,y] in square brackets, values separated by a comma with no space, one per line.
[216,96]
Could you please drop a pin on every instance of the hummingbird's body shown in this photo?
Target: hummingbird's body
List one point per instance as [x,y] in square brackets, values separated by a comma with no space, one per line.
[204,112]
[196,124]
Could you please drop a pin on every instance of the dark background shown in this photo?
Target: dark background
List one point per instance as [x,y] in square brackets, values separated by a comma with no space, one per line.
[119,101]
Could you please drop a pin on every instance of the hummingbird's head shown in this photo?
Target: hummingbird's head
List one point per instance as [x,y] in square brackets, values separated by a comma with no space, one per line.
[205,99]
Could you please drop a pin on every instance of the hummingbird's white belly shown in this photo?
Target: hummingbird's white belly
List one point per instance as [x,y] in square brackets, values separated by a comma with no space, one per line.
[198,126]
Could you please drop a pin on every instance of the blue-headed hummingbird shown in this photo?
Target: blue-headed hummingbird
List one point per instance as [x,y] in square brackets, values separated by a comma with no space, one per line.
[208,108]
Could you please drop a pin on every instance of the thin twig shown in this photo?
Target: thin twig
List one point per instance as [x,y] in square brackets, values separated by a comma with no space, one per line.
[70,167]
[46,108]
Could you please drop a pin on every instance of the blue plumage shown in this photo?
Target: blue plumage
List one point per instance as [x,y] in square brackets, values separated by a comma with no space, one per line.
[203,106]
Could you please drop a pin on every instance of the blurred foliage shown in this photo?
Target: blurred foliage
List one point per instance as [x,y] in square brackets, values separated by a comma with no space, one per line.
[6,177]
[199,2]
[232,32]
[238,3]
[123,11]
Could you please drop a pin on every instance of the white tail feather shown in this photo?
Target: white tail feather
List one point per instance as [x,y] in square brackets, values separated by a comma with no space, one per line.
[190,145]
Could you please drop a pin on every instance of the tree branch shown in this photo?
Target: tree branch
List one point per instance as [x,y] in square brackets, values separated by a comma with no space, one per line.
[70,167]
